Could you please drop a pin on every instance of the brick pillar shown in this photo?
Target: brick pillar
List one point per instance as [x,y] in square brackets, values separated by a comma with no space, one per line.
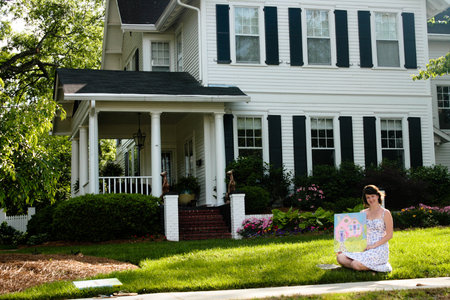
[237,207]
[171,227]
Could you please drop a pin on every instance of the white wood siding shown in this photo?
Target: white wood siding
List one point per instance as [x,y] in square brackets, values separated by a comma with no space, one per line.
[131,42]
[189,27]
[439,48]
[325,80]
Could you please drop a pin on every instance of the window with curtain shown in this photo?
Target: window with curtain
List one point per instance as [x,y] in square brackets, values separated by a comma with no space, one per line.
[160,56]
[322,141]
[443,99]
[392,141]
[387,40]
[249,131]
[247,38]
[318,37]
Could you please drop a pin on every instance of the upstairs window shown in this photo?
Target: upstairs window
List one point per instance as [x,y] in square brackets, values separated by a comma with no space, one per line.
[249,131]
[160,56]
[247,35]
[318,37]
[443,99]
[392,141]
[387,42]
[322,141]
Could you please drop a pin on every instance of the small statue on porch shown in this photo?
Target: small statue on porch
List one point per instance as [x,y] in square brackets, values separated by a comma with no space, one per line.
[165,185]
[231,186]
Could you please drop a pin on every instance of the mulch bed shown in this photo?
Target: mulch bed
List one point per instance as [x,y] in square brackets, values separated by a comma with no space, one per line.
[20,271]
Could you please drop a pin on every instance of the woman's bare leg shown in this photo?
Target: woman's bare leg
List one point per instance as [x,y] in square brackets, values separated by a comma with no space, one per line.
[358,266]
[344,260]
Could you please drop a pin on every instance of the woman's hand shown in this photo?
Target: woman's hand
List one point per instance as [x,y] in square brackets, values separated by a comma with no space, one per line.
[370,247]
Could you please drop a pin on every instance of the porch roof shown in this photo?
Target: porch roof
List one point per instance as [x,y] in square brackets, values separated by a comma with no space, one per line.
[141,11]
[84,84]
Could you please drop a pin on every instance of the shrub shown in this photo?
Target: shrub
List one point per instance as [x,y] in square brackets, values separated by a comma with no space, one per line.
[247,171]
[9,236]
[437,183]
[254,227]
[342,204]
[277,182]
[111,169]
[256,199]
[107,216]
[188,185]
[421,216]
[308,197]
[41,222]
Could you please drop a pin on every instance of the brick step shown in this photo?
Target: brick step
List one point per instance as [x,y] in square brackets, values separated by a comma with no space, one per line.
[205,229]
[200,218]
[199,212]
[202,223]
[203,236]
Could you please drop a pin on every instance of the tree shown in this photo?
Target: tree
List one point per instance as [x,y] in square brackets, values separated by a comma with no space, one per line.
[57,34]
[441,65]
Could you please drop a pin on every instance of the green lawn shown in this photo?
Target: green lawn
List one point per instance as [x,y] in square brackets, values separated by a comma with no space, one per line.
[264,262]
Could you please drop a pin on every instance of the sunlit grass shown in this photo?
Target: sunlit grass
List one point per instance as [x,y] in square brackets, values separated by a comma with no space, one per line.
[230,264]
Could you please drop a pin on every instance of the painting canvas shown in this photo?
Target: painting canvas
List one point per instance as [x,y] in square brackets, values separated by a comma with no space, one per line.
[350,232]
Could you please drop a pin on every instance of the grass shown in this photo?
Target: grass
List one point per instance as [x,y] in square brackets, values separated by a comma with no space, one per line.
[265,262]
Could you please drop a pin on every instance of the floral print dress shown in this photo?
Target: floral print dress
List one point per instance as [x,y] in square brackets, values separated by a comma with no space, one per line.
[376,259]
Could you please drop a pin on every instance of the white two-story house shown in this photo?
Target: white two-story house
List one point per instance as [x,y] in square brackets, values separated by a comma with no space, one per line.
[299,83]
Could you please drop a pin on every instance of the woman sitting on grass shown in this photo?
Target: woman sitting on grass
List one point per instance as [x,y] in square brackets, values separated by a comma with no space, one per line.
[379,231]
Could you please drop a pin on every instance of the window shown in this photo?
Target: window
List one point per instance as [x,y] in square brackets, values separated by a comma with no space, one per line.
[392,141]
[131,65]
[179,52]
[443,98]
[160,56]
[387,43]
[249,132]
[247,38]
[189,158]
[322,141]
[318,37]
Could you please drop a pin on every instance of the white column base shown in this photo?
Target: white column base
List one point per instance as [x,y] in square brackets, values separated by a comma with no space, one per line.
[237,211]
[171,226]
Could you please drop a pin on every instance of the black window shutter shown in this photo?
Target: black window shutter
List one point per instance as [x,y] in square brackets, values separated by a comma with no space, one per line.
[370,141]
[223,33]
[271,26]
[275,152]
[299,132]
[346,129]
[409,36]
[295,36]
[415,142]
[365,39]
[342,38]
[136,59]
[229,143]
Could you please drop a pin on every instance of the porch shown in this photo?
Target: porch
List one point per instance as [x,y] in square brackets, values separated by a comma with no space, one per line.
[179,118]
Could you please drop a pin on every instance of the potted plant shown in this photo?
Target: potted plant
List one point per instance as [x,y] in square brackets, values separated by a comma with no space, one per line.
[188,189]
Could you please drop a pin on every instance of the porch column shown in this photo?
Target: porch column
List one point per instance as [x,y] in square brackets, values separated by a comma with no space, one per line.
[75,174]
[156,153]
[83,159]
[220,157]
[93,152]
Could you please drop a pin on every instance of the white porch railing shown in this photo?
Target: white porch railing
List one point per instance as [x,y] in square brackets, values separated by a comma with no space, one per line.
[19,222]
[128,185]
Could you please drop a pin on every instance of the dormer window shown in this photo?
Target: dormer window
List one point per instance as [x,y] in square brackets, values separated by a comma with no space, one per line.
[160,57]
[387,41]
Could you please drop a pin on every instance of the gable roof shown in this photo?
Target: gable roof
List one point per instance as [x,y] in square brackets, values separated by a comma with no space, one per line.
[84,84]
[141,11]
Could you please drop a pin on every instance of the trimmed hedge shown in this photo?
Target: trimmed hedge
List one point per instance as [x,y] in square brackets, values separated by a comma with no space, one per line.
[106,217]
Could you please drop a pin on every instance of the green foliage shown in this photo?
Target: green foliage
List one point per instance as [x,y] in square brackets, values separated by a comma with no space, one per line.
[435,67]
[308,197]
[188,185]
[344,204]
[437,183]
[106,216]
[107,152]
[277,182]
[57,34]
[247,171]
[111,168]
[42,221]
[257,199]
[320,219]
[288,220]
[421,216]
[10,236]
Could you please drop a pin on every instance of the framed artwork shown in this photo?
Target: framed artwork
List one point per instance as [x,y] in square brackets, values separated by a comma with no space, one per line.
[350,232]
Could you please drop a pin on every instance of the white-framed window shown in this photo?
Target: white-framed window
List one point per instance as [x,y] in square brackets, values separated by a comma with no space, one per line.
[387,39]
[160,56]
[249,136]
[392,145]
[322,141]
[189,157]
[247,38]
[443,101]
[318,40]
[179,49]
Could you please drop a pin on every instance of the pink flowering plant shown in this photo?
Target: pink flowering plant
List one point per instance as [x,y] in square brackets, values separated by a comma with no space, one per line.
[254,227]
[422,216]
[308,198]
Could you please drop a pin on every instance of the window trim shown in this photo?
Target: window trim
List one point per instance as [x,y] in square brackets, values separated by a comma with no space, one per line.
[147,50]
[264,133]
[400,38]
[179,32]
[405,135]
[130,61]
[261,31]
[336,138]
[332,31]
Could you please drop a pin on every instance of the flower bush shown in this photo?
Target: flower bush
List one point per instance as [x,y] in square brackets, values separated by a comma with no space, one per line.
[308,197]
[254,227]
[422,216]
